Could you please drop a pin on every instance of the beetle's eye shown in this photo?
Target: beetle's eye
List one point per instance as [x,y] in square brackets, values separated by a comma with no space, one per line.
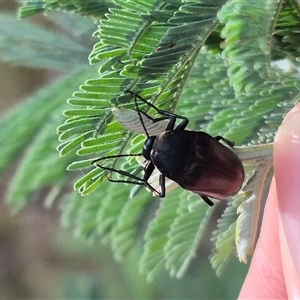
[148,146]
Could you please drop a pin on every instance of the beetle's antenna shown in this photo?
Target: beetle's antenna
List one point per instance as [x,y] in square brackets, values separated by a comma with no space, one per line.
[138,111]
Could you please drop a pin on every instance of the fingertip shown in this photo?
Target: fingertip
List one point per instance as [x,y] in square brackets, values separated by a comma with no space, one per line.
[287,176]
[266,276]
[289,130]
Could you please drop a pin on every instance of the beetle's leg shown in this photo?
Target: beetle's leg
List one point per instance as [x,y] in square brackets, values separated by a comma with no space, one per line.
[162,184]
[148,172]
[154,120]
[207,200]
[136,180]
[229,143]
[121,172]
[172,120]
[171,116]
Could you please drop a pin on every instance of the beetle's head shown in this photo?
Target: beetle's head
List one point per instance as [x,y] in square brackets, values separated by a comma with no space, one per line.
[148,146]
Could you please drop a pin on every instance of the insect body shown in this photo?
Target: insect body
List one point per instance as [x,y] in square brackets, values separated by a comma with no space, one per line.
[195,160]
[199,163]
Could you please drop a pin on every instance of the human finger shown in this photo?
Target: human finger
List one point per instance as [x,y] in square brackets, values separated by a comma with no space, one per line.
[287,160]
[265,278]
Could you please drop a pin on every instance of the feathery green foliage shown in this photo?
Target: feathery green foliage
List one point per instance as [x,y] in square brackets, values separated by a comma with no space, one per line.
[212,61]
[30,45]
[95,9]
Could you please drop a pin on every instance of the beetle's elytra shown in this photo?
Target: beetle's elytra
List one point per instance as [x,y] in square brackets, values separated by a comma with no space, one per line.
[195,160]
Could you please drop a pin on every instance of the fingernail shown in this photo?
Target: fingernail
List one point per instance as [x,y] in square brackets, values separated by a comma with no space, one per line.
[287,176]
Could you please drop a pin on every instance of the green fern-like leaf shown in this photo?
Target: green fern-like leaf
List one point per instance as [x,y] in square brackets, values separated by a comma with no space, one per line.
[247,51]
[130,224]
[185,234]
[287,29]
[29,45]
[223,239]
[95,9]
[35,121]
[156,237]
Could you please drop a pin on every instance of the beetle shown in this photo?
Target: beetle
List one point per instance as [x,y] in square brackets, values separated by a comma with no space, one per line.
[195,160]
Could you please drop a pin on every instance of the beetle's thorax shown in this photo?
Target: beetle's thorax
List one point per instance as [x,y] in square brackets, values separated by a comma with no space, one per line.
[170,151]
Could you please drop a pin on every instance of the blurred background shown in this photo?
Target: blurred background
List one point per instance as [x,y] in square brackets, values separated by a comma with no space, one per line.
[41,260]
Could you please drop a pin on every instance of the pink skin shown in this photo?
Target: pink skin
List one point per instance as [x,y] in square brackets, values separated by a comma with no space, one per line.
[275,268]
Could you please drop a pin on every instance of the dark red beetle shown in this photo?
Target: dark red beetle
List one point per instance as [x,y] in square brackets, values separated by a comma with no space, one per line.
[195,160]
